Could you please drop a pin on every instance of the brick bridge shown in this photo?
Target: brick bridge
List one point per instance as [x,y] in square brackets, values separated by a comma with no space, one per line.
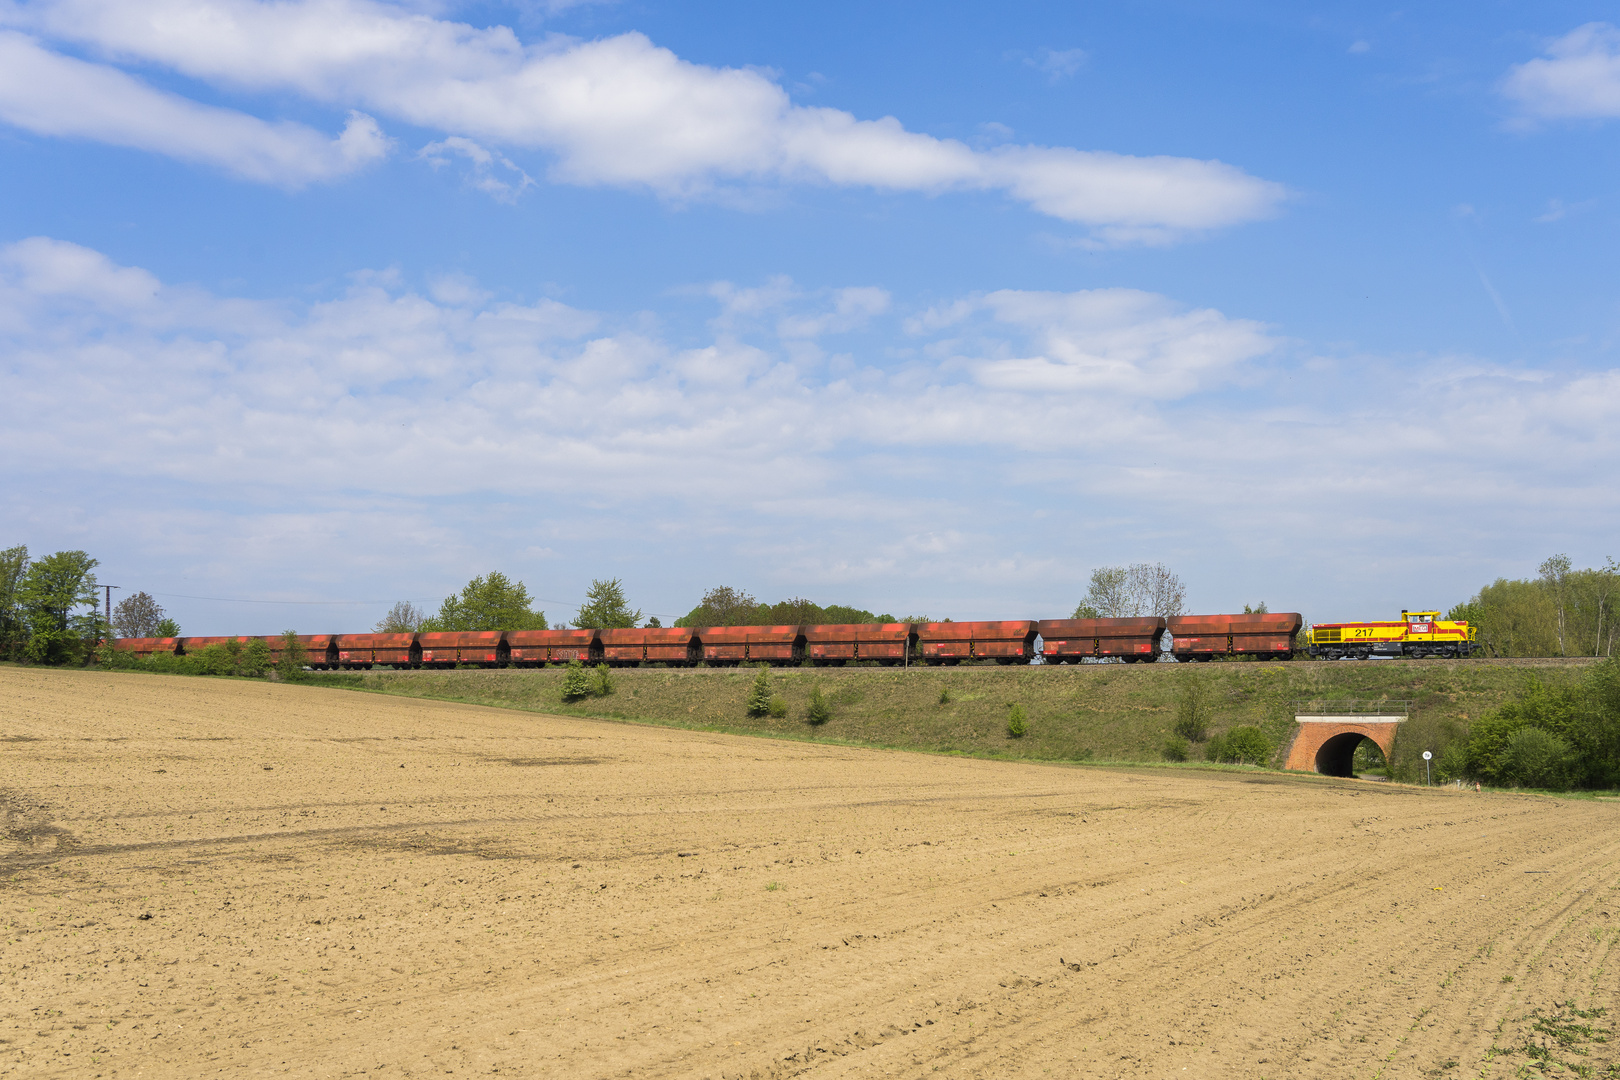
[1326,738]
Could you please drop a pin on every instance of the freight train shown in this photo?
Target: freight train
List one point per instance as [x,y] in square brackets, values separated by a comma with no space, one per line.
[1066,641]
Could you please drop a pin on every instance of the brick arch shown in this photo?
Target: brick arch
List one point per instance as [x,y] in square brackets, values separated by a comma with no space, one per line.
[1326,744]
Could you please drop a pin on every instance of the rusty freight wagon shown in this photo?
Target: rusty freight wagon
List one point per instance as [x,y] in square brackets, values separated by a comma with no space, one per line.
[886,643]
[145,648]
[728,645]
[320,650]
[536,648]
[364,650]
[482,648]
[1268,636]
[1068,641]
[954,642]
[649,645]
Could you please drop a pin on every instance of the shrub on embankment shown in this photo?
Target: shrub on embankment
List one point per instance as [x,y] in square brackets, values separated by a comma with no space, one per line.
[1103,712]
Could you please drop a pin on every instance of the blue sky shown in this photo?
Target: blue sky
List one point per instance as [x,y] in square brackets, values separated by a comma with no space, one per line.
[927,308]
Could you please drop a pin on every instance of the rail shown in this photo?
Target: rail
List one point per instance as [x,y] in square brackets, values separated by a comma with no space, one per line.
[1353,707]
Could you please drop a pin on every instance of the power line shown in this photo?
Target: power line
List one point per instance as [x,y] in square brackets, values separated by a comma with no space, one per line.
[334,603]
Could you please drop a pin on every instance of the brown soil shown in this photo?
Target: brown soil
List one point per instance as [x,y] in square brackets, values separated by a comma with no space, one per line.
[208,876]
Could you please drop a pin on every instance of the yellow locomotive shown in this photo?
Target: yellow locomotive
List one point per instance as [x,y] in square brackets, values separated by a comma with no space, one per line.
[1417,634]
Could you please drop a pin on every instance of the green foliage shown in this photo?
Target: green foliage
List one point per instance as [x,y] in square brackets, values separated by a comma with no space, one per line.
[1086,611]
[1537,758]
[1258,609]
[1193,708]
[291,665]
[1575,740]
[494,602]
[655,623]
[602,681]
[818,712]
[1243,745]
[722,606]
[137,616]
[116,659]
[1564,611]
[779,707]
[48,594]
[759,695]
[726,606]
[576,683]
[1554,711]
[944,695]
[1175,748]
[13,564]
[606,608]
[215,660]
[166,628]
[1017,722]
[255,659]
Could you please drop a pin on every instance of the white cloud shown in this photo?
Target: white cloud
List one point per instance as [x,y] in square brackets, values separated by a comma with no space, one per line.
[1057,64]
[440,429]
[622,111]
[51,94]
[494,174]
[1577,78]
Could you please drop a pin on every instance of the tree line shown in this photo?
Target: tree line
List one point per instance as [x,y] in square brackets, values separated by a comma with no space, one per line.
[1562,611]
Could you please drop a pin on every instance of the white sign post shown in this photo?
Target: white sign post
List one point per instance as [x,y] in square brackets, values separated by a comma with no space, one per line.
[1426,757]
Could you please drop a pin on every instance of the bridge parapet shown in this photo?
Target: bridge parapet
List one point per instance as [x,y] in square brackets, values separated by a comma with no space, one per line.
[1327,732]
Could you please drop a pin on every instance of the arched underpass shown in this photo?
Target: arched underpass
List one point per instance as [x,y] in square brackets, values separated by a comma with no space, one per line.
[1327,744]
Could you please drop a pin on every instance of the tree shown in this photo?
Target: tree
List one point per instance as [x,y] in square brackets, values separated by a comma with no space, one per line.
[818,712]
[722,606]
[50,591]
[606,608]
[1555,572]
[487,603]
[166,628]
[759,696]
[576,682]
[1258,609]
[291,666]
[1108,597]
[403,618]
[1130,592]
[1193,709]
[1017,722]
[137,616]
[13,564]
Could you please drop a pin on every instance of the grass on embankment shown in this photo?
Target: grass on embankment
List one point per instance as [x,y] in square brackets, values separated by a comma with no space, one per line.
[1100,712]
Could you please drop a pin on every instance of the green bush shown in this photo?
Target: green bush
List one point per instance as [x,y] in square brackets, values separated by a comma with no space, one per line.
[759,696]
[255,659]
[818,712]
[778,707]
[576,683]
[602,683]
[1175,748]
[216,660]
[1246,745]
[1538,759]
[944,695]
[1017,723]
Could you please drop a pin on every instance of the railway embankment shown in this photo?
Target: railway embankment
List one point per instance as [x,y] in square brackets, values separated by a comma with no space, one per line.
[1090,712]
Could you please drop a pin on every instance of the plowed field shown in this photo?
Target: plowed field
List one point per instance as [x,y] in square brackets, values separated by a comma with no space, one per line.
[207,877]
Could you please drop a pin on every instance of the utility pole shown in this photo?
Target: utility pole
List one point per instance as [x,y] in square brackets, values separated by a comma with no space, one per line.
[109,589]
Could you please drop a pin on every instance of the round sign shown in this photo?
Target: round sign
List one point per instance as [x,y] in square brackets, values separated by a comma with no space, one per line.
[1427,755]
